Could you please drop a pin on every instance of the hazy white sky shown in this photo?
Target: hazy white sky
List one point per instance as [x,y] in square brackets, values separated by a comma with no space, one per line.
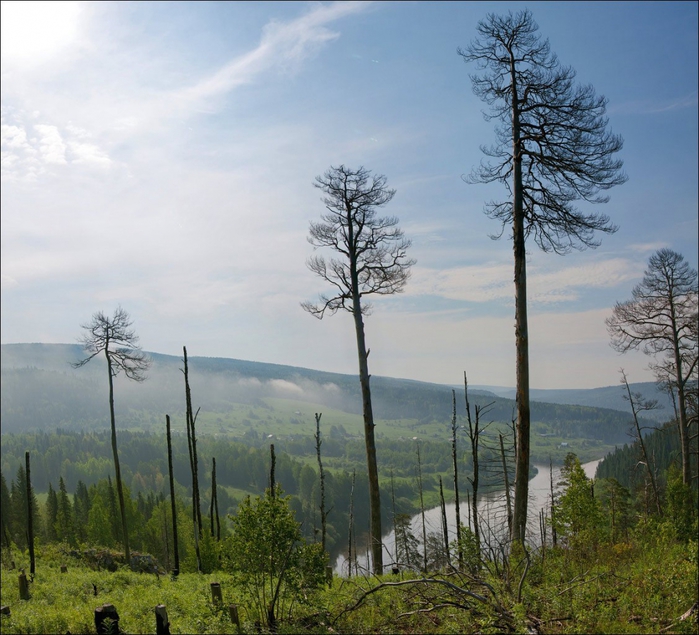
[161,156]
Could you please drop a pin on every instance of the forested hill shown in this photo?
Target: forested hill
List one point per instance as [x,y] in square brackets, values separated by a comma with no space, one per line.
[40,390]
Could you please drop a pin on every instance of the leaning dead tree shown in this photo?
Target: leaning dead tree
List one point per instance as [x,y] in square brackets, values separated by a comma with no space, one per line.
[639,404]
[114,337]
[372,260]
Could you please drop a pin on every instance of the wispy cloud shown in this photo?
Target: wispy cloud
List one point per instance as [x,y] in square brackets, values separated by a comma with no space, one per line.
[545,286]
[654,107]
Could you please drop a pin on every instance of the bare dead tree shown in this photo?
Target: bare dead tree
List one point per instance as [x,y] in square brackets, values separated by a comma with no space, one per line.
[213,508]
[422,505]
[114,337]
[350,533]
[173,505]
[553,148]
[30,514]
[639,404]
[372,261]
[191,420]
[445,527]
[554,537]
[323,513]
[454,428]
[506,476]
[661,319]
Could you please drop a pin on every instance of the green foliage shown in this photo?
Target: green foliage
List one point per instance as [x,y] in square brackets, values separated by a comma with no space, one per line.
[469,549]
[266,555]
[578,516]
[680,505]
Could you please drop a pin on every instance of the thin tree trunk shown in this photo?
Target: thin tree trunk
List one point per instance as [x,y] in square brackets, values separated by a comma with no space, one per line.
[173,506]
[272,468]
[422,509]
[445,529]
[679,379]
[191,422]
[196,510]
[30,519]
[473,434]
[351,525]
[456,479]
[213,511]
[644,453]
[322,481]
[519,524]
[553,504]
[508,498]
[393,507]
[117,469]
[372,469]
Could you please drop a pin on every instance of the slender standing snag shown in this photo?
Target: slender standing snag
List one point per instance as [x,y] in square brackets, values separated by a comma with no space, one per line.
[114,337]
[323,513]
[553,149]
[372,261]
[173,506]
[30,524]
[661,319]
[456,479]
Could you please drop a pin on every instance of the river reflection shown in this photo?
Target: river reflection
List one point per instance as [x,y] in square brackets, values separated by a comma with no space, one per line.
[491,508]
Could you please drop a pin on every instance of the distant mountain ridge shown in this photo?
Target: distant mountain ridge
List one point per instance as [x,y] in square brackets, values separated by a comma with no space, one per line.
[604,397]
[41,390]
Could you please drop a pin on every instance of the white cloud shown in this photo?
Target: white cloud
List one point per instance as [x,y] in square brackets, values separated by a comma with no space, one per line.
[88,153]
[51,146]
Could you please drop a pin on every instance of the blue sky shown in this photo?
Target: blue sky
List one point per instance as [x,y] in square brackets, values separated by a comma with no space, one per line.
[161,156]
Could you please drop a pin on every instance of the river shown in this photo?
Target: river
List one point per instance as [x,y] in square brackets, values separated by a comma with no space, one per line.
[491,508]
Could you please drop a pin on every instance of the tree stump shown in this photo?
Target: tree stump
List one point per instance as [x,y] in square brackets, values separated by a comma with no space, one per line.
[162,624]
[216,595]
[4,610]
[107,620]
[233,612]
[23,587]
[64,569]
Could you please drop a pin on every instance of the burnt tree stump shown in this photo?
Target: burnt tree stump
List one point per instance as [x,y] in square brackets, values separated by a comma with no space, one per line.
[107,620]
[216,595]
[23,587]
[162,623]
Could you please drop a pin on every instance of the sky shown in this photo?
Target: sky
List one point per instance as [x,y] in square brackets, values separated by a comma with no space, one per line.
[161,157]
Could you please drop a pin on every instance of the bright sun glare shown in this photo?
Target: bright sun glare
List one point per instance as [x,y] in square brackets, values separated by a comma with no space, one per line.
[33,31]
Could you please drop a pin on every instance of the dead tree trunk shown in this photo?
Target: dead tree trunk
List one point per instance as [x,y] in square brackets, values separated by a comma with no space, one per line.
[456,479]
[173,506]
[272,468]
[638,405]
[445,528]
[422,508]
[553,504]
[351,525]
[213,512]
[508,499]
[30,520]
[117,468]
[473,435]
[323,514]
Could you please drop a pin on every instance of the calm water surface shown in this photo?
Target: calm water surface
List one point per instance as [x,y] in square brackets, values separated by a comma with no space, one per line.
[491,508]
